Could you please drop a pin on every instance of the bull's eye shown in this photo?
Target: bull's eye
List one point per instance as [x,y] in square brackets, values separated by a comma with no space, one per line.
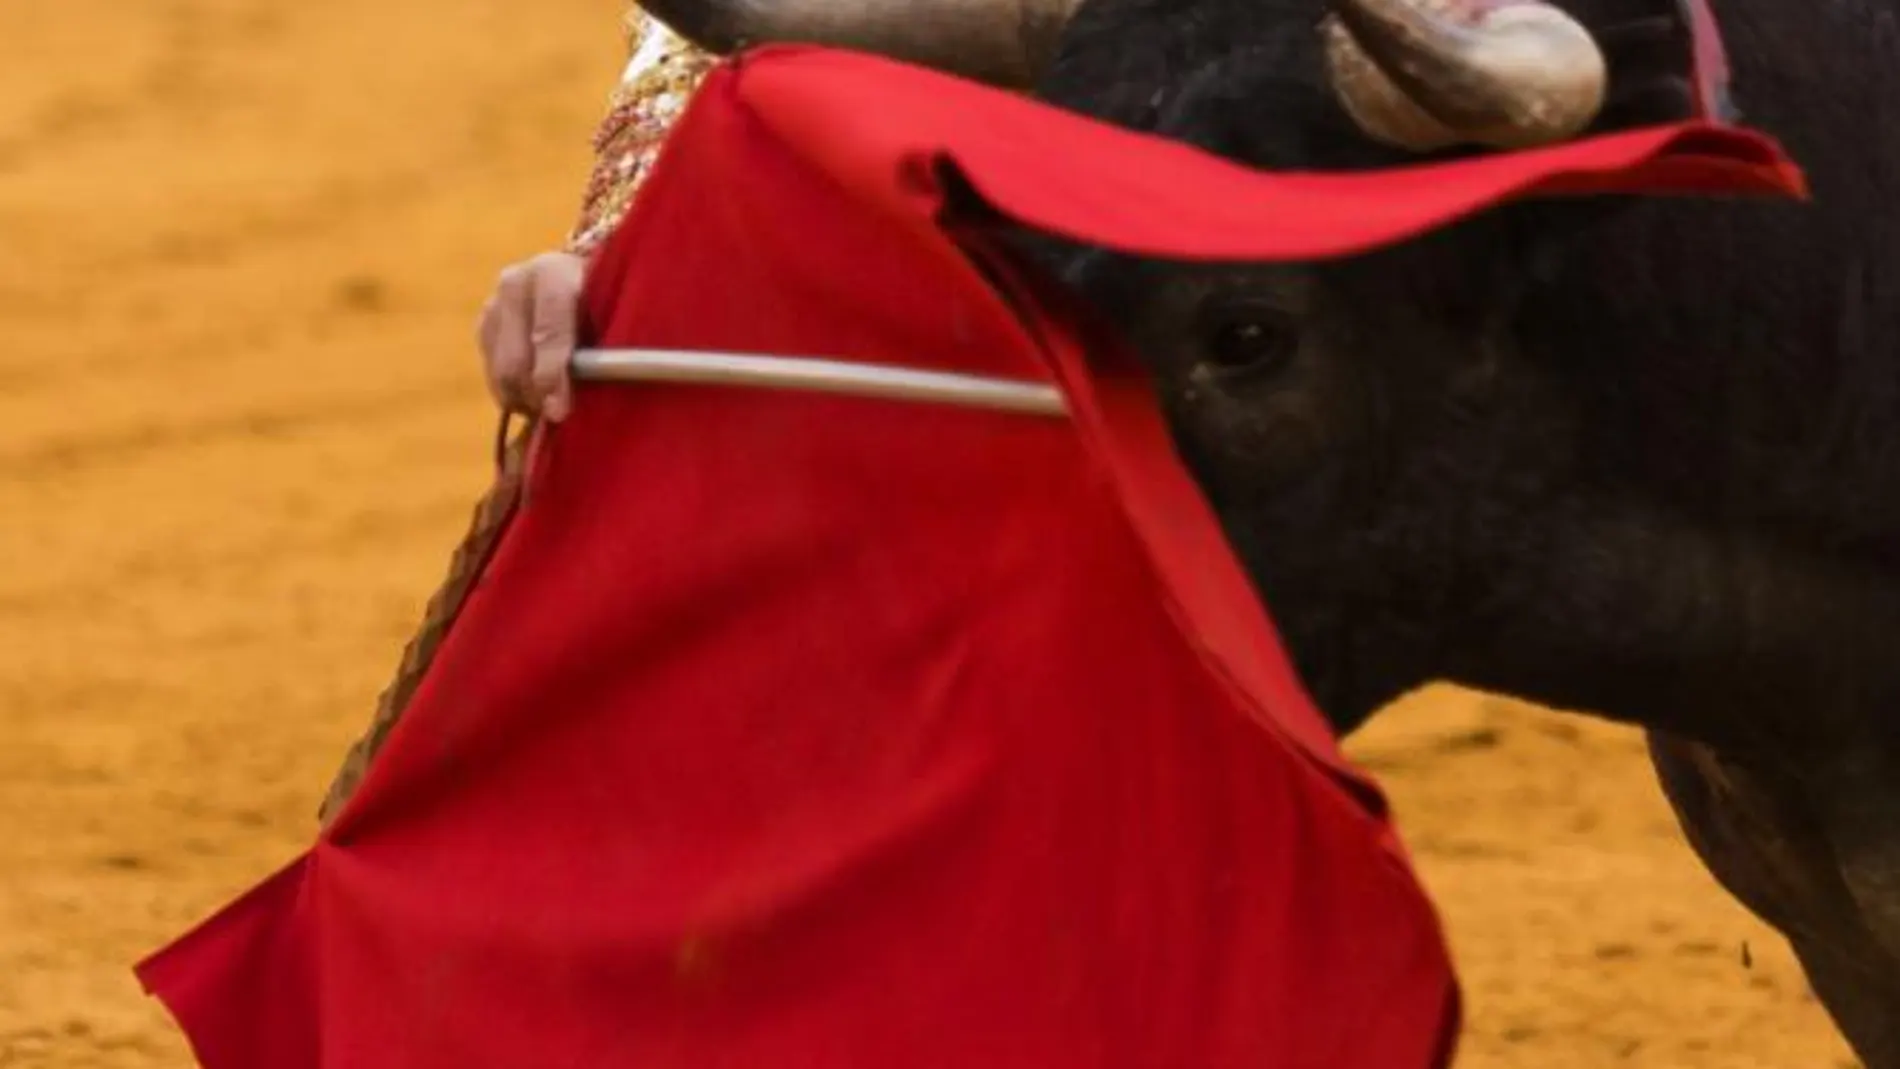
[1251,337]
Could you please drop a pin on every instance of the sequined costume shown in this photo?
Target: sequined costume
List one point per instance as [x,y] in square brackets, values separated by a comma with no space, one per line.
[661,75]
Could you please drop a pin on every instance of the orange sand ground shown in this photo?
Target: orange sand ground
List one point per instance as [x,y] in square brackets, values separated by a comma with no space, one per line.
[240,428]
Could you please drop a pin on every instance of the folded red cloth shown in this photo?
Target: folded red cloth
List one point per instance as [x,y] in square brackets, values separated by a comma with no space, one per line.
[798,730]
[1137,193]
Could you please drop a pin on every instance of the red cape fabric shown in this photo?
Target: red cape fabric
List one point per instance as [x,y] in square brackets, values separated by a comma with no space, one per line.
[805,731]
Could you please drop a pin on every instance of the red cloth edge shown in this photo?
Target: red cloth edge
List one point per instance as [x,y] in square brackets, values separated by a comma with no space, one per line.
[194,970]
[813,98]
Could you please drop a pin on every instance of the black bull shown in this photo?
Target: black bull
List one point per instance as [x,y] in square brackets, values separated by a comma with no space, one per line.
[1639,458]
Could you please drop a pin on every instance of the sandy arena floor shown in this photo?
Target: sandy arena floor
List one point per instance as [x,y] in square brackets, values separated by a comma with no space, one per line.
[241,426]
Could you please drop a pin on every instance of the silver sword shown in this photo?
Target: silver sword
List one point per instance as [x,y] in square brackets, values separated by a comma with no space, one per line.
[820,375]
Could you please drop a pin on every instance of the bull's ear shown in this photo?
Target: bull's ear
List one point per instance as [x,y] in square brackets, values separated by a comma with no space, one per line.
[1651,63]
[1000,42]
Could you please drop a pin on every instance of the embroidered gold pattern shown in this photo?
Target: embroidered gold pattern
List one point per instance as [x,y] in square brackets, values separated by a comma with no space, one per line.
[661,76]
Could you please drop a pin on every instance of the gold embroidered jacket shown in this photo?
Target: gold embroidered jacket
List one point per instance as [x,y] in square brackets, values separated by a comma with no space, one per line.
[662,72]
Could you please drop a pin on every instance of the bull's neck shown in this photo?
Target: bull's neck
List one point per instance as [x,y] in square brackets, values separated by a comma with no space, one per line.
[1730,639]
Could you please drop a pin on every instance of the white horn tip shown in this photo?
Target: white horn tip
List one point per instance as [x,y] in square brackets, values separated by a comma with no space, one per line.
[1503,73]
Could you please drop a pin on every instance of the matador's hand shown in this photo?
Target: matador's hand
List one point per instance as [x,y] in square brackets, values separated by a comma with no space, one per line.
[527,334]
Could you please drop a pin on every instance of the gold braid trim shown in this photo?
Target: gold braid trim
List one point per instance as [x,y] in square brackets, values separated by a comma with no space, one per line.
[471,556]
[662,74]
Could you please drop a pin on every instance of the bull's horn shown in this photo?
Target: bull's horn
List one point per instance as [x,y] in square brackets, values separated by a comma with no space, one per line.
[1001,42]
[1426,74]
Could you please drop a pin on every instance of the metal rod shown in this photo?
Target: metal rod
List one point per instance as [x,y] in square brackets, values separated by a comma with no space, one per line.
[820,375]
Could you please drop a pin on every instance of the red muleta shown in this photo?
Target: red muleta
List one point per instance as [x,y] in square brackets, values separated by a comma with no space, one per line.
[794,730]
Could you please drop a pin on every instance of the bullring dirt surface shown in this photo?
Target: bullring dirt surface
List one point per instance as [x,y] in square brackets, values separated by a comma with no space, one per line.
[241,428]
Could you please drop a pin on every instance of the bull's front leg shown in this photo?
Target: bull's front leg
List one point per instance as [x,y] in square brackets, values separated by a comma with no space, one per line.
[1760,835]
[1866,1009]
